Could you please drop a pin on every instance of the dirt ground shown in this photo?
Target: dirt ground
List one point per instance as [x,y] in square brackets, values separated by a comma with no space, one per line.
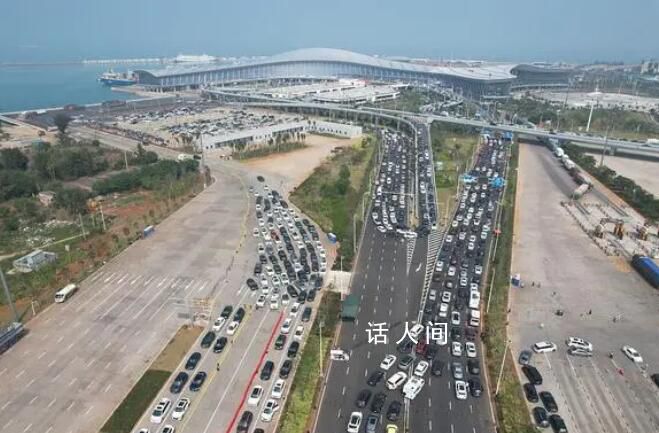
[292,168]
[23,136]
[645,173]
[178,346]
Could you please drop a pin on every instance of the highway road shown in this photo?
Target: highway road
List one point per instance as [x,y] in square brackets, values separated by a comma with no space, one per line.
[80,358]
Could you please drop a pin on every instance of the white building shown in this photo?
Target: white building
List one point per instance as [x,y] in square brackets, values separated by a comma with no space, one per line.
[34,261]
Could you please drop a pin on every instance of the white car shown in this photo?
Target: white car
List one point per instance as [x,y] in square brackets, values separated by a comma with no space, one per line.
[455,318]
[274,304]
[168,429]
[443,309]
[478,269]
[446,297]
[460,389]
[181,407]
[470,348]
[255,396]
[456,348]
[299,333]
[632,354]
[260,302]
[219,323]
[278,388]
[451,271]
[396,380]
[439,267]
[286,326]
[579,343]
[449,239]
[544,347]
[160,410]
[416,331]
[474,300]
[294,309]
[421,368]
[271,406]
[387,362]
[233,326]
[255,232]
[354,422]
[285,299]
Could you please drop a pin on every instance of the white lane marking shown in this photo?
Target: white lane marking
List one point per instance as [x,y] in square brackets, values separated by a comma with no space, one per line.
[3,371]
[147,282]
[56,376]
[20,373]
[49,429]
[51,363]
[27,428]
[110,277]
[107,388]
[30,383]
[52,402]
[202,287]
[4,406]
[33,399]
[135,280]
[41,355]
[89,409]
[71,406]
[73,381]
[10,422]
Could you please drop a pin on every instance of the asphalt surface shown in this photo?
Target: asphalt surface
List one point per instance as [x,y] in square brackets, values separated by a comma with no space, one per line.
[80,358]
[390,280]
[598,393]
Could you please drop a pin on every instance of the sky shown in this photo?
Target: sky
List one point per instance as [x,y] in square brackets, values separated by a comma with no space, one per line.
[512,30]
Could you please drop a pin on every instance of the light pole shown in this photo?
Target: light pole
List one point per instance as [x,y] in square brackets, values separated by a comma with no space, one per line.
[320,346]
[503,362]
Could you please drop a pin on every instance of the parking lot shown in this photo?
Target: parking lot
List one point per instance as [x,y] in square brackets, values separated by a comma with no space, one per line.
[572,289]
[237,374]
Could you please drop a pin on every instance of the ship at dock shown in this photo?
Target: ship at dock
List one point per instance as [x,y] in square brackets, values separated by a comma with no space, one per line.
[111,78]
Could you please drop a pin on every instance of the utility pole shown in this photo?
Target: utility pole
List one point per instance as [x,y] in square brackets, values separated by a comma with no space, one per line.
[82,226]
[503,362]
[8,296]
[126,158]
[102,217]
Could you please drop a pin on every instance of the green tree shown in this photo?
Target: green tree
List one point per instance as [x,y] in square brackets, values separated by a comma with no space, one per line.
[14,183]
[74,200]
[13,159]
[62,120]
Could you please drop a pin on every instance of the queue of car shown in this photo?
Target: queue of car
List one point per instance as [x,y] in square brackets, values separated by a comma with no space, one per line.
[288,272]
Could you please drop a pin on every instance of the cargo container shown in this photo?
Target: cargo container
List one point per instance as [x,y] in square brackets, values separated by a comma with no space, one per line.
[647,268]
[349,308]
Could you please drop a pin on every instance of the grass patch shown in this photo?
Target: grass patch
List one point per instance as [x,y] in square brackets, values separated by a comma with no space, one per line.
[306,384]
[136,402]
[512,411]
[260,152]
[139,398]
[333,193]
[453,147]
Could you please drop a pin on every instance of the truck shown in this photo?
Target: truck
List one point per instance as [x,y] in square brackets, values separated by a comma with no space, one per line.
[413,387]
[647,268]
[184,156]
[349,308]
[559,152]
[580,191]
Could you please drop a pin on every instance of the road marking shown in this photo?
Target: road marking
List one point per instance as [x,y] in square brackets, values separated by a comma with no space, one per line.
[368,355]
[73,381]
[56,376]
[347,370]
[188,285]
[5,405]
[162,282]
[147,282]
[135,280]
[89,385]
[121,280]
[10,422]
[89,410]
[70,346]
[429,425]
[452,429]
[108,365]
[450,405]
[51,363]
[27,428]
[110,277]
[365,372]
[202,287]
[20,374]
[52,402]
[71,406]
[33,399]
[429,402]
[49,429]
[107,388]
[59,340]
[3,371]
[30,383]
[338,414]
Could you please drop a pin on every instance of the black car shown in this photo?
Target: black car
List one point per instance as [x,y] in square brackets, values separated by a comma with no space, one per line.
[226,312]
[456,335]
[193,360]
[406,346]
[557,424]
[378,402]
[311,295]
[245,422]
[208,340]
[285,369]
[266,371]
[291,291]
[258,268]
[437,367]
[239,315]
[220,344]
[393,413]
[179,382]
[375,377]
[541,417]
[363,398]
[530,392]
[473,367]
[302,296]
[306,314]
[293,349]
[532,374]
[548,401]
[280,341]
[197,381]
[471,333]
[263,259]
[655,378]
[475,387]
[431,352]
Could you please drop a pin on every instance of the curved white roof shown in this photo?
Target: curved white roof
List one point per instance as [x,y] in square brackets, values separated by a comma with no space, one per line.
[489,72]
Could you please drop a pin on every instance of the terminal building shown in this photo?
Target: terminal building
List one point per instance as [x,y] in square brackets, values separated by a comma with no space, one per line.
[481,81]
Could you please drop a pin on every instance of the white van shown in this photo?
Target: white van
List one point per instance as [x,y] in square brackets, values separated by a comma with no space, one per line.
[432,295]
[474,318]
[396,380]
[65,293]
[474,300]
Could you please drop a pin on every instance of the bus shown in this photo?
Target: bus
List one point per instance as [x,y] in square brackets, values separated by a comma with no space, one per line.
[65,293]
